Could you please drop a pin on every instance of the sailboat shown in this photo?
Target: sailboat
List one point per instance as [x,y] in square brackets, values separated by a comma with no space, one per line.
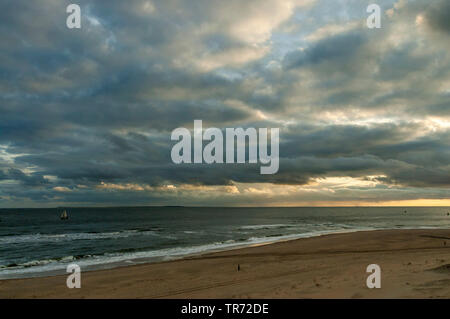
[64,215]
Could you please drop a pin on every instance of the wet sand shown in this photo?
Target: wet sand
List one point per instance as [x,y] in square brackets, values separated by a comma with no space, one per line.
[414,264]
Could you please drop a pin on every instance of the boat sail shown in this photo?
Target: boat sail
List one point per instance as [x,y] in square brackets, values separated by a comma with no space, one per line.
[64,215]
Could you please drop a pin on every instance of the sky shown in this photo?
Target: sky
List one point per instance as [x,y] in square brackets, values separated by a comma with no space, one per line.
[87,114]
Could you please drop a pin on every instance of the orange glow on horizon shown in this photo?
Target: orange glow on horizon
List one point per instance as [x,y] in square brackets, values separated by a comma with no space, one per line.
[400,203]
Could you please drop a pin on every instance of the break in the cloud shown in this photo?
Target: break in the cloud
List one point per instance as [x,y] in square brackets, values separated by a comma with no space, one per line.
[86,114]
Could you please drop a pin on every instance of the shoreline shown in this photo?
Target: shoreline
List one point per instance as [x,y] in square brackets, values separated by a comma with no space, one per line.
[128,262]
[161,259]
[323,267]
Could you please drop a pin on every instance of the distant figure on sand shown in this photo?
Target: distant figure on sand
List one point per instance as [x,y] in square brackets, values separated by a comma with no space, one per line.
[239,267]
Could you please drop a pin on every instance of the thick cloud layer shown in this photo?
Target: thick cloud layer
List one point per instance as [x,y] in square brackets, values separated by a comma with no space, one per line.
[86,115]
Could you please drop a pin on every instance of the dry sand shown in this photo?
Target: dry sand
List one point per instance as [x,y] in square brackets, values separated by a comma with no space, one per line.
[414,264]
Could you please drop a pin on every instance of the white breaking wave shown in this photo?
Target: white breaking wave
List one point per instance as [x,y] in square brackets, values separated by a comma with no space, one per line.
[34,238]
[254,227]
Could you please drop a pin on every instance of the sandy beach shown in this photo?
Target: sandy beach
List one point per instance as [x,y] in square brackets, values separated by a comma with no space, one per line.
[414,264]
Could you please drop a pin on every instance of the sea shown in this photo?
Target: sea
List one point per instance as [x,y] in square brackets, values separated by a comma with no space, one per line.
[36,242]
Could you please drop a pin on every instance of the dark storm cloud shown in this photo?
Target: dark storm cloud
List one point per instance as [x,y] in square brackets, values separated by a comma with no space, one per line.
[398,63]
[337,49]
[24,179]
[438,16]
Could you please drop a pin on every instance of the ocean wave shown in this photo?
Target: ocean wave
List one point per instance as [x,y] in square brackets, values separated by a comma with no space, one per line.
[193,232]
[297,226]
[39,238]
[42,262]
[270,226]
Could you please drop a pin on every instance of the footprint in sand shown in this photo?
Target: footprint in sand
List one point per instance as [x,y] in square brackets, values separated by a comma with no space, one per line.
[442,269]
